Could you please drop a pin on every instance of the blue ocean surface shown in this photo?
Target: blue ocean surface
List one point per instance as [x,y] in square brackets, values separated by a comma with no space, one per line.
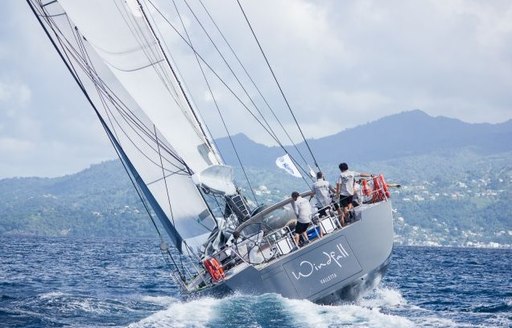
[64,282]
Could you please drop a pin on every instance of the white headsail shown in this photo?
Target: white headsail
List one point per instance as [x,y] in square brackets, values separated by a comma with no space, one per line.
[120,35]
[158,133]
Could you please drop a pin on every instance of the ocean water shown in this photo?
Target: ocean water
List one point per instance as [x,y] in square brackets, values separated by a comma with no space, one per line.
[63,282]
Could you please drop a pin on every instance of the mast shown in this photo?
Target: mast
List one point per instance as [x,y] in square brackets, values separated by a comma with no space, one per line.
[184,93]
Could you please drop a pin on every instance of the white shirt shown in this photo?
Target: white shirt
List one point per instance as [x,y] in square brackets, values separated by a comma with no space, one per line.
[302,210]
[321,189]
[346,182]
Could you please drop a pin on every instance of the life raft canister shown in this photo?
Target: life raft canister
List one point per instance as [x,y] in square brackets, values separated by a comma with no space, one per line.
[366,188]
[214,268]
[380,189]
[384,186]
[377,191]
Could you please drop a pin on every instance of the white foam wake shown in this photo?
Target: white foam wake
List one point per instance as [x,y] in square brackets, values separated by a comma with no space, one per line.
[308,314]
[262,311]
[196,313]
[383,297]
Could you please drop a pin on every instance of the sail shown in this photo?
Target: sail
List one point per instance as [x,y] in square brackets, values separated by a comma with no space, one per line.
[170,185]
[139,102]
[120,35]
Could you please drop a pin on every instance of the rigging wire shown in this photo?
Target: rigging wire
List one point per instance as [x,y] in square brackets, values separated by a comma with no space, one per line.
[230,90]
[90,71]
[278,84]
[216,104]
[272,132]
[103,94]
[150,53]
[252,80]
[163,174]
[232,72]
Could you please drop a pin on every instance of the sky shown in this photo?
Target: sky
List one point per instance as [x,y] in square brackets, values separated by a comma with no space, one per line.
[340,64]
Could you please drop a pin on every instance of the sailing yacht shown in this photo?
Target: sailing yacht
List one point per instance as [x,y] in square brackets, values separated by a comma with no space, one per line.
[121,53]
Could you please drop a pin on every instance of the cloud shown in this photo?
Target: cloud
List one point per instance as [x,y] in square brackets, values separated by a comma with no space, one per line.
[347,63]
[46,127]
[339,63]
[15,147]
[49,158]
[14,93]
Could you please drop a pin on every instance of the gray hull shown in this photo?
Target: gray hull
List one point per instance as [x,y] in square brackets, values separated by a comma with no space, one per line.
[340,266]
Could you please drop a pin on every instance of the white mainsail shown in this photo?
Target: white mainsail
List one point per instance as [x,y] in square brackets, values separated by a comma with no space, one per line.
[124,43]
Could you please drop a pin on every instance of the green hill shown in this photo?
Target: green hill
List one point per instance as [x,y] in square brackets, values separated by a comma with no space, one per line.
[450,199]
[99,201]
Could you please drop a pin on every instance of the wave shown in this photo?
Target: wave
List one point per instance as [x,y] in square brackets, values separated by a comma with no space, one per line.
[502,307]
[195,313]
[51,295]
[383,307]
[383,297]
[159,300]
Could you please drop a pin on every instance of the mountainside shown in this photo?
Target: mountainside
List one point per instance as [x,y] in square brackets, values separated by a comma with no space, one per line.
[464,201]
[97,202]
[455,193]
[404,134]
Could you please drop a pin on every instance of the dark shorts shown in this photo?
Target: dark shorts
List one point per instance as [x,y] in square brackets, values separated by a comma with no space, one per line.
[301,227]
[346,200]
[323,211]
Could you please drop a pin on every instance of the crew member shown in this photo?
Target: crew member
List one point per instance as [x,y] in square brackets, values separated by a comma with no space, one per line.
[345,189]
[302,209]
[323,192]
